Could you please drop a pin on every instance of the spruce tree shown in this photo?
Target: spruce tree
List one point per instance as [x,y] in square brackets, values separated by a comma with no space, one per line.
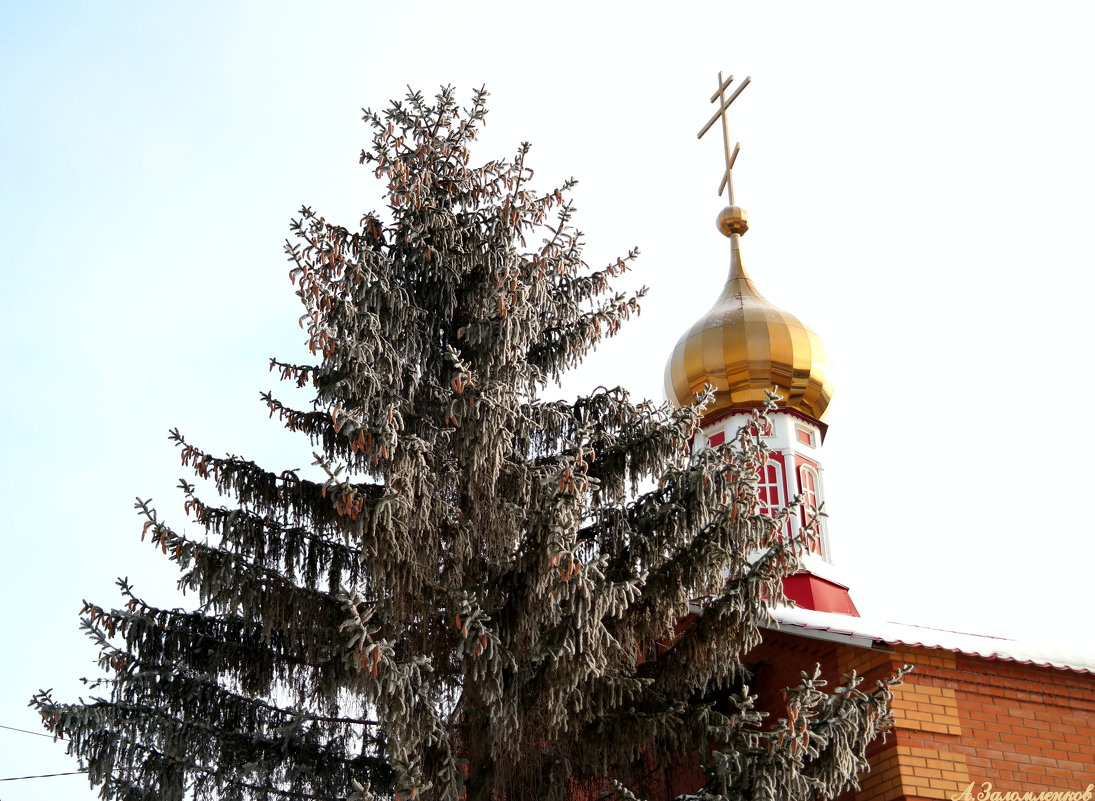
[484,594]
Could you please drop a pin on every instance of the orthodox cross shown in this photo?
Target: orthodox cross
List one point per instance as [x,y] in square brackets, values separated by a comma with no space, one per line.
[724,104]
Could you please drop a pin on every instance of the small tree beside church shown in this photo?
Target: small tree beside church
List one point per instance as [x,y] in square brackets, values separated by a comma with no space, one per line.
[484,595]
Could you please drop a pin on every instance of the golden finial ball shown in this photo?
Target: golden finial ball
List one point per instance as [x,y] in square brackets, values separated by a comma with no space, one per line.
[733,220]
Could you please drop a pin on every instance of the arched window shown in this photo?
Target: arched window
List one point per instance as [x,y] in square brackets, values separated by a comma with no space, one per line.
[809,485]
[770,488]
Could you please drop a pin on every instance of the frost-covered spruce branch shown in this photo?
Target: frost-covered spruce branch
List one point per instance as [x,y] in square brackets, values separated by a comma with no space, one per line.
[487,595]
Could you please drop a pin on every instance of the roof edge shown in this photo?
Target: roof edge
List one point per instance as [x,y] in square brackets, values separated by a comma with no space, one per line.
[855,630]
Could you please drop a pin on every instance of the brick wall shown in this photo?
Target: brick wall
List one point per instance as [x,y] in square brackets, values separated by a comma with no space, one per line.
[1020,727]
[959,719]
[962,719]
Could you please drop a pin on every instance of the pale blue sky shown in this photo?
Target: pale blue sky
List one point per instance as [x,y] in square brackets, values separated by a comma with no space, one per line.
[918,178]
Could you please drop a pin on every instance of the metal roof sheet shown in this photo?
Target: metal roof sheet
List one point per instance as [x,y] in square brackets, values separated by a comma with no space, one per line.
[865,631]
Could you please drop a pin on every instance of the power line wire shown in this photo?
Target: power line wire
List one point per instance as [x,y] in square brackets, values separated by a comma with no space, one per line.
[25,731]
[42,776]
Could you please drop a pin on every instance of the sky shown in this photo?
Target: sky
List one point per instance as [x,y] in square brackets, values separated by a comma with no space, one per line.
[918,179]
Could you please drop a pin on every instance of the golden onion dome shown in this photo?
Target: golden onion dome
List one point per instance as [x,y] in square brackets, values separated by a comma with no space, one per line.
[745,346]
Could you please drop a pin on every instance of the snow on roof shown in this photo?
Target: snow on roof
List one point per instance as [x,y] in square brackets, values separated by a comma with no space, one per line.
[866,632]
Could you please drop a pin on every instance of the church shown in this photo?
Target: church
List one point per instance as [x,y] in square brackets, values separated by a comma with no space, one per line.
[979,717]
